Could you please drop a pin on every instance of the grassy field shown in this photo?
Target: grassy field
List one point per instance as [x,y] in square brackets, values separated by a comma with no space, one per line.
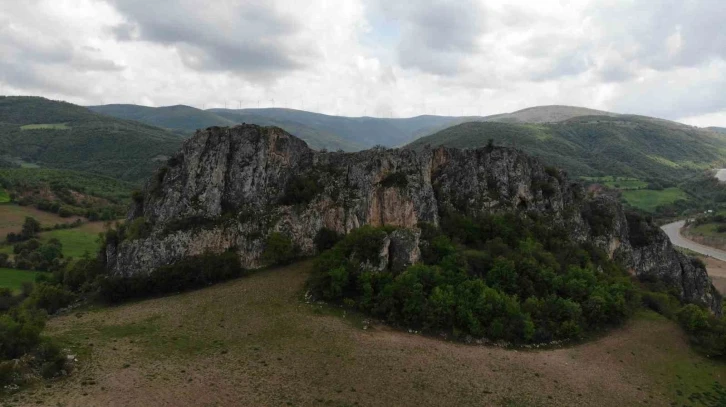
[13,279]
[13,216]
[253,342]
[707,229]
[648,200]
[48,126]
[4,196]
[77,241]
[619,182]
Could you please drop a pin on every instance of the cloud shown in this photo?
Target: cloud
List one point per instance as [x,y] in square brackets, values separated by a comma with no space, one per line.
[435,35]
[250,38]
[664,34]
[356,57]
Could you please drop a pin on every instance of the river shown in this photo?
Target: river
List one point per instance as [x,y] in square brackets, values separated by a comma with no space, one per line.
[673,230]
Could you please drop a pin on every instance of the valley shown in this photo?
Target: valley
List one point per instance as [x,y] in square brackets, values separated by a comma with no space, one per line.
[362,203]
[264,330]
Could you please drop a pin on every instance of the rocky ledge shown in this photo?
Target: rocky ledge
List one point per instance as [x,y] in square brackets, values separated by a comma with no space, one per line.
[231,188]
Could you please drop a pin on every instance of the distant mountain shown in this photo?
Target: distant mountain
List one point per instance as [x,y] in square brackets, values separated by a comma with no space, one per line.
[318,130]
[179,118]
[56,134]
[636,146]
[330,132]
[546,114]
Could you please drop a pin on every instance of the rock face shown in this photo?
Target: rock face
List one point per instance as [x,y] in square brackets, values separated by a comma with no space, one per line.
[230,188]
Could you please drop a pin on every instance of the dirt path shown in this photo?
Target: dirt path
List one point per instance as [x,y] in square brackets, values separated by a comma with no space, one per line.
[252,342]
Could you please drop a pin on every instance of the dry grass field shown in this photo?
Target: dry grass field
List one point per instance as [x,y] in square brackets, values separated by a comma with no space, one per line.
[254,342]
[12,218]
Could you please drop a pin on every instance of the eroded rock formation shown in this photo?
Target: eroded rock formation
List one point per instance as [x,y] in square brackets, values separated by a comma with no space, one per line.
[229,188]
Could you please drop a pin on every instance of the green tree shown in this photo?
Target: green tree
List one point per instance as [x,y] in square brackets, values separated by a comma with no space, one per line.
[31,227]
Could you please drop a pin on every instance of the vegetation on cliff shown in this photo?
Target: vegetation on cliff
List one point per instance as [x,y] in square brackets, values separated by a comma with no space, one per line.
[503,277]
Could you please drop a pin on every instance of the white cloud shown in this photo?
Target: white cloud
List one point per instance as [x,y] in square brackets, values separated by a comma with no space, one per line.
[371,57]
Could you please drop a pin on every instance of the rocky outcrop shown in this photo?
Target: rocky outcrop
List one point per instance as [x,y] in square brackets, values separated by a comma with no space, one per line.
[230,188]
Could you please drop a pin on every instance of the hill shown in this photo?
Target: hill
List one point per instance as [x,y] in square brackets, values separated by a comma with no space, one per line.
[68,193]
[326,131]
[596,146]
[61,135]
[318,130]
[721,130]
[547,114]
[185,120]
[179,118]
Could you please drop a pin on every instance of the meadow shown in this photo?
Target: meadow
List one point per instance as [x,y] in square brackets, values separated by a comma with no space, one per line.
[623,183]
[255,341]
[14,279]
[77,241]
[648,200]
[13,216]
[48,126]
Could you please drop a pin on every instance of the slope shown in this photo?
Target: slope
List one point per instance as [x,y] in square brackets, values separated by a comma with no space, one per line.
[62,135]
[367,131]
[318,130]
[628,146]
[185,119]
[66,192]
[547,114]
[253,342]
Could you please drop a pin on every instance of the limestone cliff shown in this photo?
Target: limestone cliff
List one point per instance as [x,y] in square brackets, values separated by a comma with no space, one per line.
[229,188]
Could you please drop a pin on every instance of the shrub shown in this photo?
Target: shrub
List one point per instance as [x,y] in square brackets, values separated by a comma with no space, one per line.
[139,228]
[326,239]
[192,272]
[395,179]
[301,190]
[279,249]
[50,298]
[31,228]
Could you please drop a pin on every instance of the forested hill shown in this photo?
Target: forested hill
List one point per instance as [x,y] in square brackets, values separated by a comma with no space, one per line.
[633,146]
[318,130]
[53,134]
[330,132]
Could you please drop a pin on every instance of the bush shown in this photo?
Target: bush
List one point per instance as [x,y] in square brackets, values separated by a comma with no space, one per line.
[31,228]
[139,228]
[193,272]
[279,249]
[50,298]
[326,239]
[301,190]
[395,180]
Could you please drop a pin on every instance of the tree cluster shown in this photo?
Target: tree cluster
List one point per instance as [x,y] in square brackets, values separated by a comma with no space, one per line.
[503,277]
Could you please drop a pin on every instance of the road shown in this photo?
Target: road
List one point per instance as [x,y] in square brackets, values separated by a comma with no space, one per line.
[673,230]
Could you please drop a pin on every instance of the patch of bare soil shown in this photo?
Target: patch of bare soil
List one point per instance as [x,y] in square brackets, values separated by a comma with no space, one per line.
[253,342]
[717,271]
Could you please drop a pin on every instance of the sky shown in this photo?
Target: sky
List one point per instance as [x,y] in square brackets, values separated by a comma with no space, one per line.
[662,58]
